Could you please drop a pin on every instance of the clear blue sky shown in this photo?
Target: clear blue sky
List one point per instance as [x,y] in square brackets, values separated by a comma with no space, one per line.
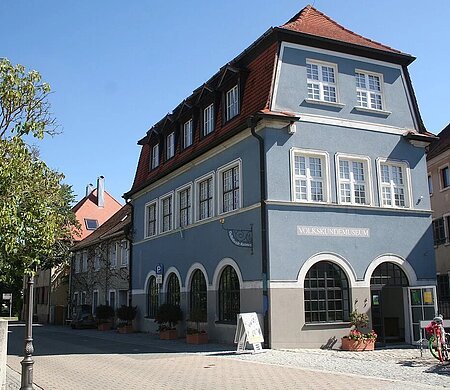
[117,67]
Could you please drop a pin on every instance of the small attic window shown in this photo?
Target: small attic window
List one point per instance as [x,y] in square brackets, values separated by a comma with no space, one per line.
[91,224]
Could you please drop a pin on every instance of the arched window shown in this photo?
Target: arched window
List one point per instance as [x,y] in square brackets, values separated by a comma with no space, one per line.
[389,274]
[326,293]
[173,290]
[198,301]
[229,295]
[152,297]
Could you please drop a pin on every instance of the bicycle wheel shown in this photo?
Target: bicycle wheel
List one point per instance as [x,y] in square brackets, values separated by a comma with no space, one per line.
[435,347]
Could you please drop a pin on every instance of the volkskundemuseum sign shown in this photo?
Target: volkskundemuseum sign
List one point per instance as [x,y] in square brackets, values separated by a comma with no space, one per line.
[330,231]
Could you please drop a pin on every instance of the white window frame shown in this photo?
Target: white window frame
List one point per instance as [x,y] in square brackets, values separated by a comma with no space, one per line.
[232,102]
[155,156]
[447,228]
[369,91]
[147,205]
[320,83]
[441,178]
[197,182]
[187,133]
[169,195]
[220,172]
[75,298]
[77,262]
[430,183]
[406,183]
[84,261]
[112,255]
[177,208]
[326,180]
[170,145]
[97,256]
[83,296]
[124,253]
[115,298]
[351,181]
[208,119]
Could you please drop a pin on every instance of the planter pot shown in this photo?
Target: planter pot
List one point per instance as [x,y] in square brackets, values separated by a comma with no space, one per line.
[171,334]
[197,338]
[125,329]
[104,326]
[357,345]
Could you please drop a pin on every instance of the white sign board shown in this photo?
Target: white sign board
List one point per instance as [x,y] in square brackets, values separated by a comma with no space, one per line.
[7,296]
[330,231]
[248,330]
[159,279]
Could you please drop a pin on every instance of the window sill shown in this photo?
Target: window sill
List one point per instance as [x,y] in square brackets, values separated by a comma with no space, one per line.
[325,103]
[312,325]
[373,111]
[445,189]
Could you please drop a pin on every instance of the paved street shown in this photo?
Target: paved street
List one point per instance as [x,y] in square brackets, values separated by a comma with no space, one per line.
[88,359]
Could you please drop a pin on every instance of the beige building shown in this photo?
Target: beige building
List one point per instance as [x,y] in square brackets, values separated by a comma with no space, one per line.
[438,161]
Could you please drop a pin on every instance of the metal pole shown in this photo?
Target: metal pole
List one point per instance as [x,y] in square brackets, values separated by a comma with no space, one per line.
[27,362]
[10,306]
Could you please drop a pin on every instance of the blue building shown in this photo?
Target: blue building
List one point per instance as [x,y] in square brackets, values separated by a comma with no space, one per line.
[293,183]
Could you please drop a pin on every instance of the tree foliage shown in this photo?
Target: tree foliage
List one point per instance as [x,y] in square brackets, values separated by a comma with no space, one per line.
[24,103]
[36,220]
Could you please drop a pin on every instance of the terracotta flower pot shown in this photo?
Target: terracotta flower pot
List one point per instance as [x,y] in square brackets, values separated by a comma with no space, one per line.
[357,345]
[171,334]
[197,338]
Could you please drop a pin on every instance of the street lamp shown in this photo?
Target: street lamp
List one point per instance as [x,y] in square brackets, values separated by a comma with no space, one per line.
[27,362]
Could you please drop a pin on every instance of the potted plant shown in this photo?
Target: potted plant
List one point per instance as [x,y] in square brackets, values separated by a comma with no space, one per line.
[104,314]
[196,335]
[357,340]
[167,316]
[126,315]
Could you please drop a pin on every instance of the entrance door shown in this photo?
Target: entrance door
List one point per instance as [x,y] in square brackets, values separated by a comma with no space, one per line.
[423,306]
[377,313]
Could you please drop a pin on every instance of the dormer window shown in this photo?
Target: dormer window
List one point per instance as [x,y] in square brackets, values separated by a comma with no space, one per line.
[155,156]
[170,145]
[91,224]
[321,80]
[232,102]
[208,119]
[369,90]
[187,133]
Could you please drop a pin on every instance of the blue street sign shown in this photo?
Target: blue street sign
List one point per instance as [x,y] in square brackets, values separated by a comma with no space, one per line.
[159,269]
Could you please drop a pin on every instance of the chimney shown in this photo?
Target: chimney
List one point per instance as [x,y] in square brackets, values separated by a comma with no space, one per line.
[89,189]
[101,191]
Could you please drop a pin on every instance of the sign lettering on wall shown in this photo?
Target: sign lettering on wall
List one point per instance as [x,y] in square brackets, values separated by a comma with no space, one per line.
[330,231]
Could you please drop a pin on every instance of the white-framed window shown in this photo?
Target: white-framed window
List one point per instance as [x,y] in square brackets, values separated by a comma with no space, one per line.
[229,183]
[322,81]
[204,197]
[430,184]
[369,90]
[232,102]
[97,256]
[83,298]
[187,133]
[166,207]
[183,199]
[84,264]
[208,119]
[394,183]
[310,176]
[123,251]
[94,301]
[151,218]
[77,262]
[354,179]
[75,299]
[155,156]
[444,177]
[112,299]
[112,255]
[170,145]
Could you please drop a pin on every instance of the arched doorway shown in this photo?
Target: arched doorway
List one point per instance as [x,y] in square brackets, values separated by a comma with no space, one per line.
[387,285]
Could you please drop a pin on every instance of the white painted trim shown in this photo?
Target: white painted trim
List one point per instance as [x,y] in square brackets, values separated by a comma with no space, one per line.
[391,258]
[368,91]
[440,177]
[115,297]
[408,185]
[325,157]
[218,271]
[166,278]
[252,285]
[352,124]
[177,205]
[321,83]
[330,257]
[373,110]
[324,103]
[161,214]
[219,173]
[368,182]
[146,282]
[191,270]
[196,196]
[148,204]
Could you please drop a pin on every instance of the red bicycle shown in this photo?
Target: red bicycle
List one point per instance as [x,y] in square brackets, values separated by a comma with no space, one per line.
[439,341]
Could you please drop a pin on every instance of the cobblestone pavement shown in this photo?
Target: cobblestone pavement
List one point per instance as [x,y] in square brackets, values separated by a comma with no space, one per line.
[89,359]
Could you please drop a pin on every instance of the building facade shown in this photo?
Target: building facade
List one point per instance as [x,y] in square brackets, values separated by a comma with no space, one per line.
[100,264]
[291,184]
[438,160]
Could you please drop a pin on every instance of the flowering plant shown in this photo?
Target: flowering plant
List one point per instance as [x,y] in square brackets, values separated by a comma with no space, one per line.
[360,320]
[355,334]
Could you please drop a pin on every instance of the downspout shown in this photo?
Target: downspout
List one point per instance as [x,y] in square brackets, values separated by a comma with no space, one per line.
[129,236]
[252,121]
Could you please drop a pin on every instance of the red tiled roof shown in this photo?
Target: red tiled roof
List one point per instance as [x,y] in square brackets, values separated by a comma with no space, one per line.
[311,21]
[440,145]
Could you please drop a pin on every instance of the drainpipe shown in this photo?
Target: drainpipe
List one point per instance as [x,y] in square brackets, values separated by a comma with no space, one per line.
[129,236]
[252,121]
